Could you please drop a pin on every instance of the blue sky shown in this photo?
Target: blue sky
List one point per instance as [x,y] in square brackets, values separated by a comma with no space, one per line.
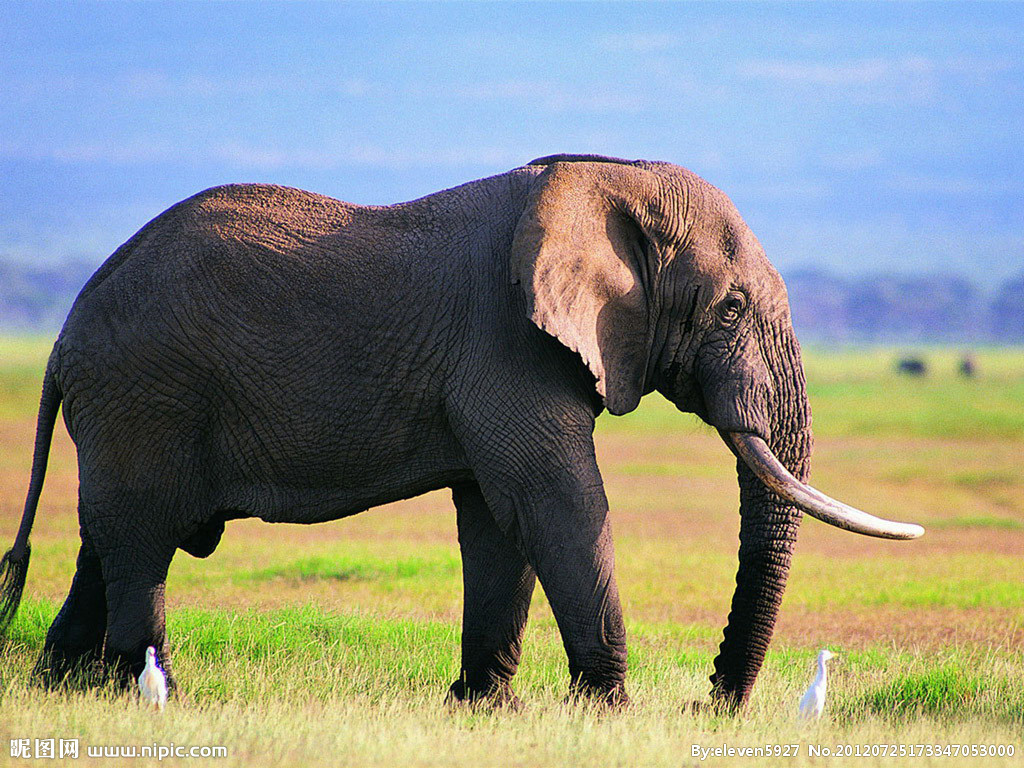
[856,137]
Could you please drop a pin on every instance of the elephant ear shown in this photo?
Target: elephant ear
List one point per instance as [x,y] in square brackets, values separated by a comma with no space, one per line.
[580,252]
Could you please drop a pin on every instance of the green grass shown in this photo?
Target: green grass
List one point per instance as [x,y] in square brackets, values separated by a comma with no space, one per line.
[978,521]
[346,568]
[223,656]
[857,392]
[25,351]
[937,691]
[961,580]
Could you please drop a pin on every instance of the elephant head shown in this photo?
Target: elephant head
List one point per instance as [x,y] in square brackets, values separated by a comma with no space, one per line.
[650,274]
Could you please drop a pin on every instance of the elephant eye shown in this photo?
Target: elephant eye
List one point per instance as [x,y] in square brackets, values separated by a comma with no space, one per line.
[732,307]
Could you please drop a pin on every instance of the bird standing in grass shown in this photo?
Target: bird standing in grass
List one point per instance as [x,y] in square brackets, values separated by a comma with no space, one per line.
[813,702]
[152,683]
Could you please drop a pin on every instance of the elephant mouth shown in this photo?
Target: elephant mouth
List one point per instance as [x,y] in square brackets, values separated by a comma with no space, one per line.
[756,454]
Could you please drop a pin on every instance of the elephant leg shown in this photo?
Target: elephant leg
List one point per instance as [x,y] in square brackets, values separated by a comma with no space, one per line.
[575,562]
[553,503]
[498,585]
[135,571]
[74,642]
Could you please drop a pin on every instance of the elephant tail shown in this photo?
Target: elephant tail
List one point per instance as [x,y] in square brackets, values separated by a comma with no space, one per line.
[14,565]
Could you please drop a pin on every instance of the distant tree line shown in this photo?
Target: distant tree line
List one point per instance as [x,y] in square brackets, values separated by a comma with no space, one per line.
[38,297]
[904,308]
[825,307]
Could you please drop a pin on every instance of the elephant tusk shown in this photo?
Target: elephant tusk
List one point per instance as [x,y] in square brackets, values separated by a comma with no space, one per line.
[759,457]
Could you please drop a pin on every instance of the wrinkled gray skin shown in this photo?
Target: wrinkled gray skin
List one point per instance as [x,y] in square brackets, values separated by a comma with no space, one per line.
[257,351]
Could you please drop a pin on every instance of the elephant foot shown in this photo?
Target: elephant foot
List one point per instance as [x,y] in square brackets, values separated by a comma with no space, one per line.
[494,696]
[715,706]
[614,697]
[55,670]
[118,676]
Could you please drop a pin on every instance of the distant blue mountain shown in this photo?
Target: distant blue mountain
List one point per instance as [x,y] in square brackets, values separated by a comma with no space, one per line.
[37,298]
[826,308]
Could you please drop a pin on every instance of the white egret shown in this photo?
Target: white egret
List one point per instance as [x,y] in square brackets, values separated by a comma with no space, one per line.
[152,683]
[813,702]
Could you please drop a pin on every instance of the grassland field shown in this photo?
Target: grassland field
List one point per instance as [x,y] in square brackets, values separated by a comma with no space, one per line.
[335,643]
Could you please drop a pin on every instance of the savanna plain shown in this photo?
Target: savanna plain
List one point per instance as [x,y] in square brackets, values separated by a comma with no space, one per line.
[335,643]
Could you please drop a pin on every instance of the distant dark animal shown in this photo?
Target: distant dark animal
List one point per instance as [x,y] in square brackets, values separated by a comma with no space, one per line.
[257,351]
[968,366]
[912,366]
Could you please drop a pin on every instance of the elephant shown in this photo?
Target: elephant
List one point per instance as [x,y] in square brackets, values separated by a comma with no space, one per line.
[262,351]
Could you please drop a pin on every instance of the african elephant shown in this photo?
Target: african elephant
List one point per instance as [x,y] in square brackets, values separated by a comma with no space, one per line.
[259,351]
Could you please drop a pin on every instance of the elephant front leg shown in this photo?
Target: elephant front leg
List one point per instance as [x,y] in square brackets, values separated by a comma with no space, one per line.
[498,585]
[544,489]
[576,566]
[562,522]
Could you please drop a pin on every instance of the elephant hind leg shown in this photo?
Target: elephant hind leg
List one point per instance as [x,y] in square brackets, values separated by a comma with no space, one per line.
[135,561]
[74,642]
[498,585]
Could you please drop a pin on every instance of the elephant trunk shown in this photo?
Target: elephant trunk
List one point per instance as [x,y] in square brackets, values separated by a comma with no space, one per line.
[768,531]
[773,497]
[773,401]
